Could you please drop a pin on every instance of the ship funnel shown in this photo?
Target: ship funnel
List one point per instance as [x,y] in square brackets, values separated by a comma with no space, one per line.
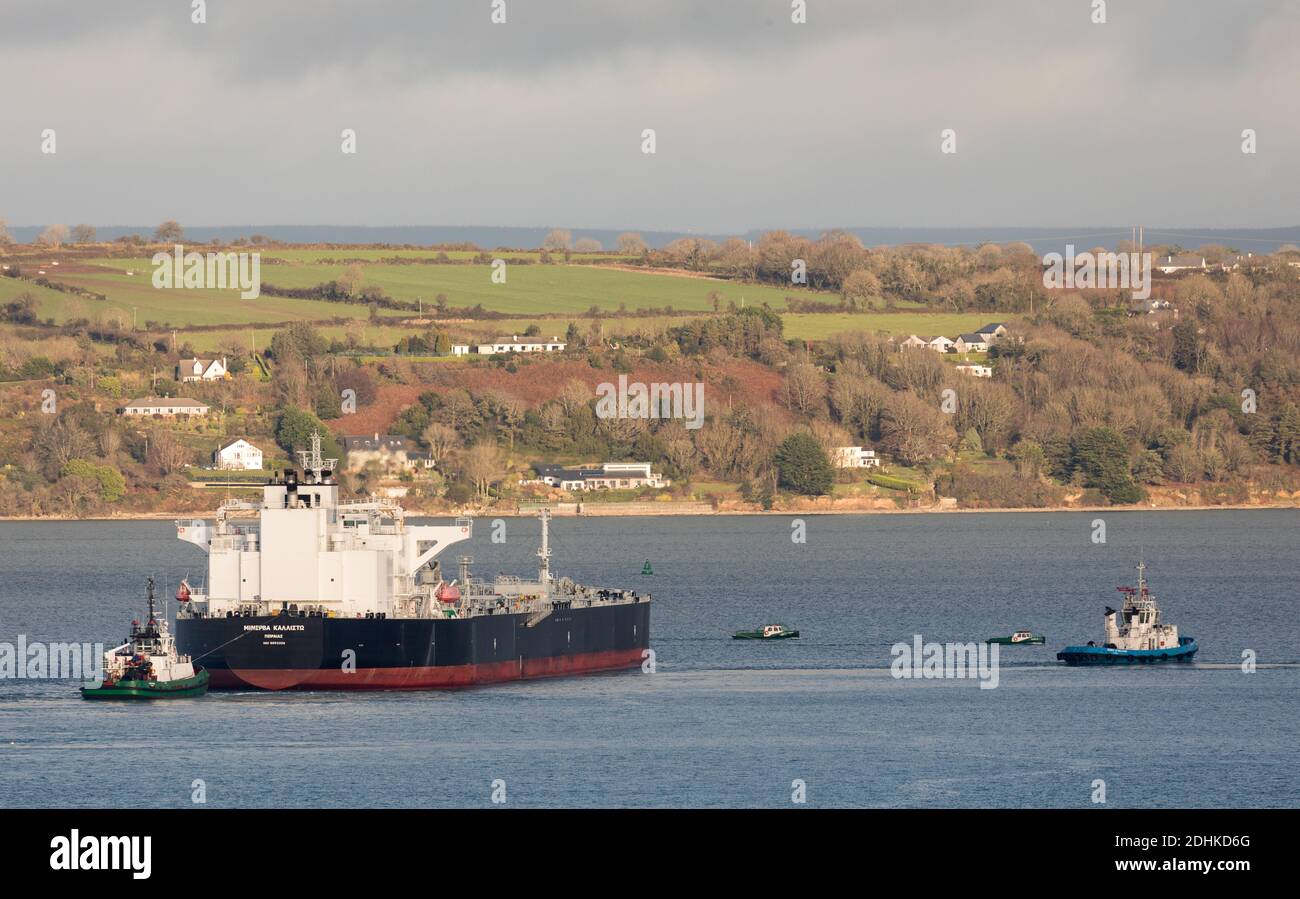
[1112,627]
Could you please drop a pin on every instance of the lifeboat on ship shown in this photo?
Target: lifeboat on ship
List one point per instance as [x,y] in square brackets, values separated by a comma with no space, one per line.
[447,593]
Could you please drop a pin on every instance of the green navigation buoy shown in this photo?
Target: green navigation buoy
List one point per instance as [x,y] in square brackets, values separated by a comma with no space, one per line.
[647,569]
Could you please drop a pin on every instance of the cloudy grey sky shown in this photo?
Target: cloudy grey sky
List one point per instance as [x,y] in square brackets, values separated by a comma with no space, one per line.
[760,122]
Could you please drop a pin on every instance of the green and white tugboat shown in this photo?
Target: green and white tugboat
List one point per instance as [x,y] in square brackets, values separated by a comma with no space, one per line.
[769,632]
[1022,637]
[147,665]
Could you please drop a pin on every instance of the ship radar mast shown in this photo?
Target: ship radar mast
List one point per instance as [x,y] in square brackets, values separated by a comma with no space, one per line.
[544,551]
[312,462]
[1142,584]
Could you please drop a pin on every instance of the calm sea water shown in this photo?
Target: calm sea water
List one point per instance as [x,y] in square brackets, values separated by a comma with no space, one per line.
[723,722]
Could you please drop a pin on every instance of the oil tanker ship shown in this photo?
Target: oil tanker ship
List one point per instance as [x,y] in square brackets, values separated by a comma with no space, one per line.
[306,592]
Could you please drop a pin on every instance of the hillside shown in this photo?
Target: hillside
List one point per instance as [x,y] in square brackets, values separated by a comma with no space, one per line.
[1089,400]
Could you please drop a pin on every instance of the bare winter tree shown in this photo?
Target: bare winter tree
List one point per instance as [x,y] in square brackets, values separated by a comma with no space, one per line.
[350,280]
[558,239]
[631,244]
[678,448]
[83,233]
[858,399]
[483,466]
[169,231]
[861,289]
[167,452]
[53,236]
[60,442]
[458,405]
[573,396]
[804,390]
[110,442]
[915,432]
[510,410]
[441,439]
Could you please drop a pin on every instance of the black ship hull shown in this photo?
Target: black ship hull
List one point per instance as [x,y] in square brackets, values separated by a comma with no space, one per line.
[316,653]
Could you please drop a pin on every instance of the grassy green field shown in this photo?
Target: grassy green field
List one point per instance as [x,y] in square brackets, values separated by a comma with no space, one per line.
[533,289]
[529,289]
[135,294]
[47,301]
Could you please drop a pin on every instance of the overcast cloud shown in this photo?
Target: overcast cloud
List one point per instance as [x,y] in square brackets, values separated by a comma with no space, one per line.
[760,123]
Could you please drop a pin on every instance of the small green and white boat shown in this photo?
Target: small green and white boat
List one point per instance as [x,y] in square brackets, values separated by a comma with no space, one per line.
[769,632]
[1019,638]
[147,665]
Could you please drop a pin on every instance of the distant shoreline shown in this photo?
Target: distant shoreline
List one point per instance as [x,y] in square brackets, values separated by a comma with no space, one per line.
[487,237]
[609,512]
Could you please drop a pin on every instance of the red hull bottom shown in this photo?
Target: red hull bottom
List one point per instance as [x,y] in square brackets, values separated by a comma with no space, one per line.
[422,678]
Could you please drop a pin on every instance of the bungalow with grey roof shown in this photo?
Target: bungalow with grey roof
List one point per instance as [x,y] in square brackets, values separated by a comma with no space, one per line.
[164,405]
[971,343]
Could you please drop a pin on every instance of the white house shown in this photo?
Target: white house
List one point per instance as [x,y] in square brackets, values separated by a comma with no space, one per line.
[460,349]
[993,332]
[912,342]
[1181,262]
[201,370]
[394,453]
[240,455]
[971,343]
[975,370]
[516,345]
[854,457]
[609,476]
[163,405]
[1151,306]
[940,344]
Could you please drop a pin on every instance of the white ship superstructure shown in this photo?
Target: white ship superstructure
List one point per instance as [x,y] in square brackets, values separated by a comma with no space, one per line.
[1140,627]
[306,551]
[301,551]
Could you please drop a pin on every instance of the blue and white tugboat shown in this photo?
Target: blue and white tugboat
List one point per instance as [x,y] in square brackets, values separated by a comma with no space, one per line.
[1139,639]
